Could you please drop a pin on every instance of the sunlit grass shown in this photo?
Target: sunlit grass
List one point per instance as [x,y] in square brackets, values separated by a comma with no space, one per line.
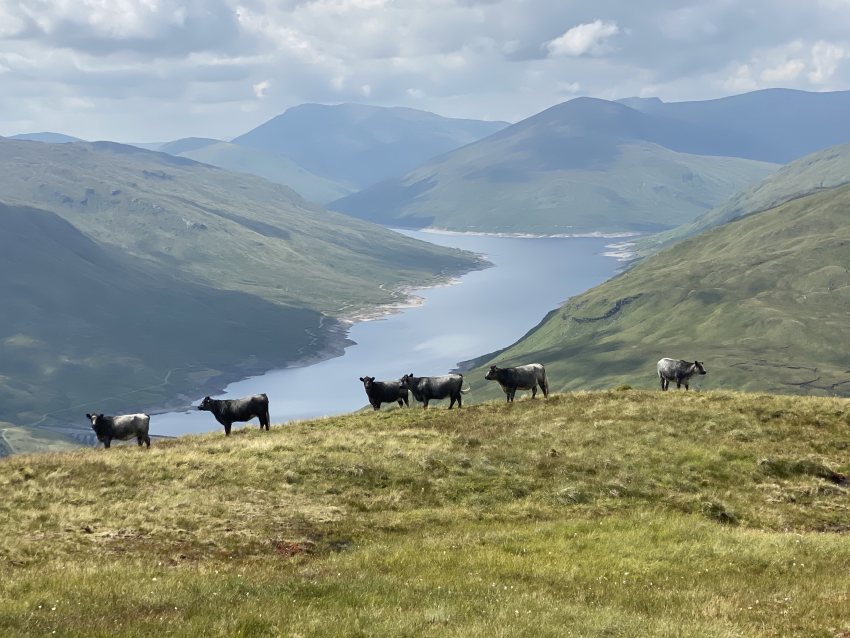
[612,513]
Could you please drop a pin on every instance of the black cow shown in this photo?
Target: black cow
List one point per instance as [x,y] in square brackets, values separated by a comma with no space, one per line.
[526,377]
[229,411]
[425,389]
[122,428]
[384,392]
[679,371]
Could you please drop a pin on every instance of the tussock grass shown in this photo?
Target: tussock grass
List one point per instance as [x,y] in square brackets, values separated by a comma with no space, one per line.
[617,513]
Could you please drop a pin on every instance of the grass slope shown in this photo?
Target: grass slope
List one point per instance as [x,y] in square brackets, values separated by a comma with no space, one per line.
[221,229]
[764,300]
[611,513]
[270,166]
[822,170]
[583,166]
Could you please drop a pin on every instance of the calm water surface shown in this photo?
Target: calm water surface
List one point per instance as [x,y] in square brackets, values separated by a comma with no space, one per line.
[486,311]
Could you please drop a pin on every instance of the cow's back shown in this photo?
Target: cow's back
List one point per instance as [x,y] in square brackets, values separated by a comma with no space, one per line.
[127,426]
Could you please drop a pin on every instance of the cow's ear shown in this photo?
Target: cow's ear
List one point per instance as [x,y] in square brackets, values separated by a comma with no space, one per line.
[362,378]
[88,416]
[100,415]
[372,379]
[696,363]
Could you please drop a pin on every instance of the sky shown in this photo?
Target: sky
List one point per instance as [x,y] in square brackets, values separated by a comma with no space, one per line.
[157,70]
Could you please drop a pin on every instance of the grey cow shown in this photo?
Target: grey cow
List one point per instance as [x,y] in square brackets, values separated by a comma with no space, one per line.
[678,370]
[229,411]
[122,427]
[527,377]
[425,389]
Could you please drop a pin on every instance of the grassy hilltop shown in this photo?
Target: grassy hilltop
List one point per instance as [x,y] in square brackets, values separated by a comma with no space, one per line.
[612,513]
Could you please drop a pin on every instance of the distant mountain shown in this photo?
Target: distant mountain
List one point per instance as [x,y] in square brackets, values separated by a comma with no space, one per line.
[358,145]
[50,138]
[763,300]
[821,170]
[185,145]
[271,166]
[142,276]
[582,166]
[774,125]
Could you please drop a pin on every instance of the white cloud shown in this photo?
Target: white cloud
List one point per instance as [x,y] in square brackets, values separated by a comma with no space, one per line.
[786,72]
[825,59]
[741,80]
[261,88]
[584,39]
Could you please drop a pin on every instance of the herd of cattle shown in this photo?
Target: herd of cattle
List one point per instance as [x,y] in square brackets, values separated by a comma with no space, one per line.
[424,389]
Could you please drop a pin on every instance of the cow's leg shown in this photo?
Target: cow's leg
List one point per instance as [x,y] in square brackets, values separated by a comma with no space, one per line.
[686,385]
[400,403]
[227,427]
[265,420]
[534,391]
[107,443]
[139,439]
[425,403]
[376,406]
[147,441]
[459,400]
[452,399]
[406,404]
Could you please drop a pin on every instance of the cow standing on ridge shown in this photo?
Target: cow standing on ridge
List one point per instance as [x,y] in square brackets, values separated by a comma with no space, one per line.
[679,371]
[122,428]
[229,411]
[425,389]
[384,392]
[526,377]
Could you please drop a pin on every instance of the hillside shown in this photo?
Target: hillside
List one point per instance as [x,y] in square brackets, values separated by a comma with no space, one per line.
[583,166]
[85,324]
[271,166]
[822,170]
[217,228]
[763,300]
[611,513]
[357,145]
[137,280]
[771,125]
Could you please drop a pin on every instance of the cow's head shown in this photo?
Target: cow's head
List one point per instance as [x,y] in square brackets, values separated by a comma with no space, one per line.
[97,424]
[492,375]
[406,382]
[700,367]
[367,382]
[206,404]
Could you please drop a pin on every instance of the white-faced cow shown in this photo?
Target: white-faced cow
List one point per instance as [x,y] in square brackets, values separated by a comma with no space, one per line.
[527,377]
[425,389]
[122,428]
[678,370]
[384,392]
[229,411]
